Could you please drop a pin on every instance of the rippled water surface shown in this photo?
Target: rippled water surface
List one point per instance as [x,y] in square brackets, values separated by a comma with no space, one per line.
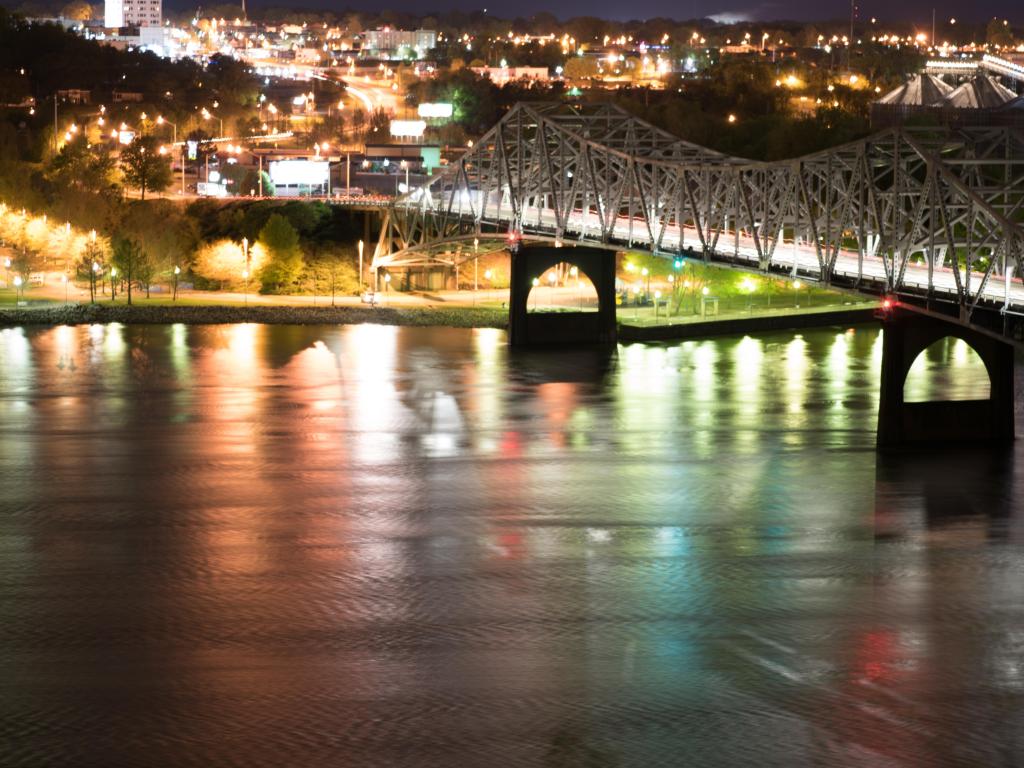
[369,546]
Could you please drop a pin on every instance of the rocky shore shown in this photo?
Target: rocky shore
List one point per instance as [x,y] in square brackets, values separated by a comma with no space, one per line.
[79,314]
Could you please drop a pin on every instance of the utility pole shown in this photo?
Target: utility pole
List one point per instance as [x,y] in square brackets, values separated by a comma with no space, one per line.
[849,45]
[55,122]
[932,41]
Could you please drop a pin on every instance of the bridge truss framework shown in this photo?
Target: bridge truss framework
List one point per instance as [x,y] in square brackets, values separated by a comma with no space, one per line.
[919,211]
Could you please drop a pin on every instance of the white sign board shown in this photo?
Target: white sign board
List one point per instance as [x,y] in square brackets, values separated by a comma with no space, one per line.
[285,173]
[407,128]
[434,110]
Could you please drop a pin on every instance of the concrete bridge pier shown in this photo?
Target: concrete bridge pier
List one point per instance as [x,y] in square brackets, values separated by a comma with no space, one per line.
[553,328]
[907,333]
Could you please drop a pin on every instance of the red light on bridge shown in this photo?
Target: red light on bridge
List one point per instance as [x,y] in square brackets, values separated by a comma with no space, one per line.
[886,303]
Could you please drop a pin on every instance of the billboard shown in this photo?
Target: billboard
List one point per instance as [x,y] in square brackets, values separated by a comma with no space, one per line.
[439,110]
[407,128]
[299,173]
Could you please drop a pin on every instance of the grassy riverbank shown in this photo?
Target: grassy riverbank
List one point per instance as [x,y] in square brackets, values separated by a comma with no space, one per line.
[78,314]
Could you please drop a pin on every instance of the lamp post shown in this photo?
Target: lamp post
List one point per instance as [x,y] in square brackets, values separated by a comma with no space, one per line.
[488,274]
[208,115]
[360,268]
[796,294]
[177,271]
[552,277]
[245,292]
[64,279]
[17,289]
[113,274]
[92,282]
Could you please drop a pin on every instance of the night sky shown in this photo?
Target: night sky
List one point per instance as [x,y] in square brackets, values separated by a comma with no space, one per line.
[802,10]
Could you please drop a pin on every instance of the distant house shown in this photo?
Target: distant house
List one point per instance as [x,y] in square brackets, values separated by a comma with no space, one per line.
[74,95]
[119,96]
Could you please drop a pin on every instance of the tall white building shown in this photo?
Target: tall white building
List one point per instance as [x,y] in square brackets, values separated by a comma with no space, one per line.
[398,43]
[132,13]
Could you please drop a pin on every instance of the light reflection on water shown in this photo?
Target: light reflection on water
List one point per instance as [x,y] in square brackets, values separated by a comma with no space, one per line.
[303,545]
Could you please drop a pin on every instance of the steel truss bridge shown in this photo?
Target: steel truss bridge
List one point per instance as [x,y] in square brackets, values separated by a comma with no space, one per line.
[928,212]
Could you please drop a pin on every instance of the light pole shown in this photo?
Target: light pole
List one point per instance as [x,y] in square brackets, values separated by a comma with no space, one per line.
[113,274]
[796,294]
[245,293]
[177,271]
[360,269]
[488,274]
[64,279]
[17,289]
[207,115]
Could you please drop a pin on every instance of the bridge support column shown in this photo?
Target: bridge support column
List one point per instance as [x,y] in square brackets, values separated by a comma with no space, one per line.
[553,328]
[907,333]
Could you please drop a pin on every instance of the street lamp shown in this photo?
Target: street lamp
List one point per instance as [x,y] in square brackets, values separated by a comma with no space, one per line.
[245,294]
[160,120]
[64,279]
[17,288]
[113,274]
[360,268]
[177,271]
[796,293]
[207,115]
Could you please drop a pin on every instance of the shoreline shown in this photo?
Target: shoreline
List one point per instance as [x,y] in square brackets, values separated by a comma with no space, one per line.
[86,314]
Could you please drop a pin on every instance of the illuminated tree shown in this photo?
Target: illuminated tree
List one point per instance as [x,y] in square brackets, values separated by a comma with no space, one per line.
[284,257]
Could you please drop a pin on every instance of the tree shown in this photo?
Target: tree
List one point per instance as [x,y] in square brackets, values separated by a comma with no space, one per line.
[245,182]
[81,165]
[580,68]
[79,10]
[88,267]
[379,121]
[284,257]
[144,167]
[165,234]
[129,258]
[998,32]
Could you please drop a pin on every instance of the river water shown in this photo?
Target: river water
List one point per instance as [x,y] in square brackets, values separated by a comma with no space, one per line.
[374,546]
